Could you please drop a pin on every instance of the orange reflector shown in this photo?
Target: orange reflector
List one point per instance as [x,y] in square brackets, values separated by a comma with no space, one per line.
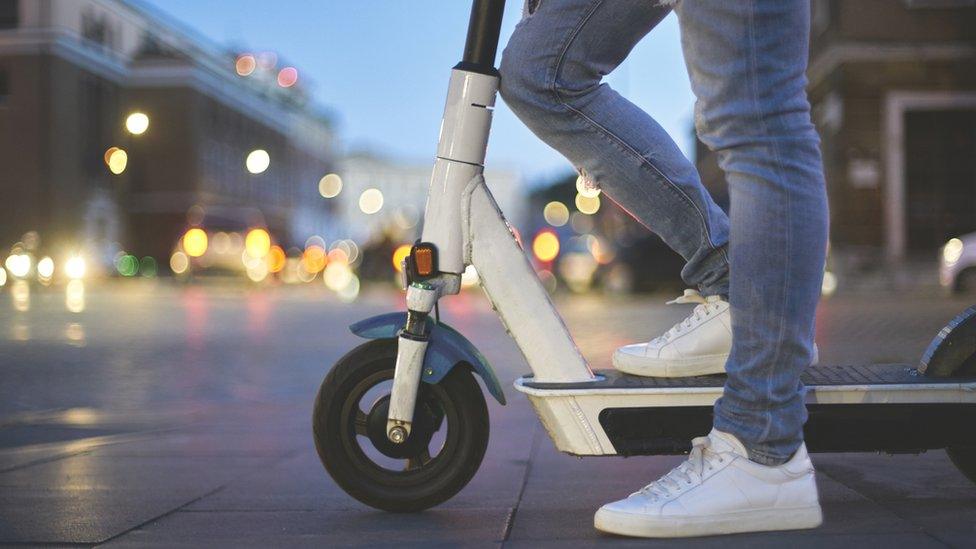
[423,258]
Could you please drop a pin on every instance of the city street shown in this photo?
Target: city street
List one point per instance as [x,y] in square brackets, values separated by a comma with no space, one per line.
[164,415]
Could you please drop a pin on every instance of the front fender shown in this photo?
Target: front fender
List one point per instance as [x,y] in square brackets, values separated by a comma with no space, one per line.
[447,347]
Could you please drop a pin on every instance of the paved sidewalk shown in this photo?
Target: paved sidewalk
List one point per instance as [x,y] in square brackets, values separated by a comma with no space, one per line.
[184,420]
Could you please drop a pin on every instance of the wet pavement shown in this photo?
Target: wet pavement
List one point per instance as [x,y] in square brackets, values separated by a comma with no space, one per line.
[150,414]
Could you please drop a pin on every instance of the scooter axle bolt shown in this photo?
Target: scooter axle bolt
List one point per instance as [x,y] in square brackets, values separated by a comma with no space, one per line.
[397,435]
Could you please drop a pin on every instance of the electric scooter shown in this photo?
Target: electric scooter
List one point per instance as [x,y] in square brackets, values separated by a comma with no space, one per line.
[401,424]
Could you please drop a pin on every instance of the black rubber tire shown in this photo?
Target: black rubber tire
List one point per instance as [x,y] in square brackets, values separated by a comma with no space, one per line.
[964,458]
[407,491]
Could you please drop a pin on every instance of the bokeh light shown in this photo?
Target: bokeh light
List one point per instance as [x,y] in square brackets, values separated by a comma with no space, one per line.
[556,214]
[330,185]
[257,243]
[127,265]
[350,291]
[588,205]
[276,259]
[75,267]
[195,242]
[586,187]
[116,159]
[952,251]
[179,262]
[45,268]
[245,64]
[371,201]
[545,246]
[18,264]
[257,161]
[337,275]
[3,277]
[314,259]
[137,123]
[829,284]
[148,267]
[399,255]
[287,77]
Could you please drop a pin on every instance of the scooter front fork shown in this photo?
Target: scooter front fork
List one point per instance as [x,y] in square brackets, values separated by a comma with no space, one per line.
[412,346]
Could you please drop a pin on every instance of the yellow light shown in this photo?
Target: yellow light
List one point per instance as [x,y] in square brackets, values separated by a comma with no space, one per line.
[245,64]
[371,201]
[546,246]
[75,267]
[556,214]
[3,277]
[276,259]
[399,255]
[117,159]
[137,123]
[179,263]
[257,243]
[330,186]
[587,205]
[257,161]
[195,242]
[314,259]
[952,251]
[586,188]
[45,267]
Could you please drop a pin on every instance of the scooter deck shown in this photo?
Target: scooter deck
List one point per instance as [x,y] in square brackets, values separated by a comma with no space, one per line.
[888,407]
[839,375]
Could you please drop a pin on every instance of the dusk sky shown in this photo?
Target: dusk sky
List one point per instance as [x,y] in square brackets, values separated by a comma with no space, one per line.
[382,67]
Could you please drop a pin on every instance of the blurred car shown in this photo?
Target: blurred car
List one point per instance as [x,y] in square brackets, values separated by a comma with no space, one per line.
[957,264]
[223,241]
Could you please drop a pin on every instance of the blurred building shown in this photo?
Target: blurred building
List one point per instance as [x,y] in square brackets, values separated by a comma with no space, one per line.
[72,71]
[892,85]
[398,192]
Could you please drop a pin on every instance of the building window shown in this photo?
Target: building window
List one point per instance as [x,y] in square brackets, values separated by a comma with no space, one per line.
[9,15]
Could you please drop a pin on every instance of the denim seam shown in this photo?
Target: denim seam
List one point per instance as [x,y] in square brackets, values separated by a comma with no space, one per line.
[554,76]
[754,84]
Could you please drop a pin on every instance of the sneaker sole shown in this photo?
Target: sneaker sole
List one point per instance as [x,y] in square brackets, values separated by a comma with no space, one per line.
[652,367]
[765,520]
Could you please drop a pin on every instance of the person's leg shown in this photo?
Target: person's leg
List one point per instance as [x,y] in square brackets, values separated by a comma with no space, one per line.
[747,60]
[551,78]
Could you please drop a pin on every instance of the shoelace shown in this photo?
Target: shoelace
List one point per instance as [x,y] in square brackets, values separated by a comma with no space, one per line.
[703,310]
[700,459]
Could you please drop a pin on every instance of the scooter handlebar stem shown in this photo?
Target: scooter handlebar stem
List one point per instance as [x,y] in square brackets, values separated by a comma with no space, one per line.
[484,29]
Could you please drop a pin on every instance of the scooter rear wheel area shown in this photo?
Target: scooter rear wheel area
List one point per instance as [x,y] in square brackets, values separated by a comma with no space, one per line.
[447,441]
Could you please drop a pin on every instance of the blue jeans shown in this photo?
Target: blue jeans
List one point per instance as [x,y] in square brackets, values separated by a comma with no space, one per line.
[747,61]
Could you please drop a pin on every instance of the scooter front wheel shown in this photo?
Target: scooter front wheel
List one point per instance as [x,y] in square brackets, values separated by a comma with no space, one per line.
[447,441]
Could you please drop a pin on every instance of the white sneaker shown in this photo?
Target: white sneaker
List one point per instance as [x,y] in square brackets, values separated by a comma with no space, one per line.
[698,345]
[719,491]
